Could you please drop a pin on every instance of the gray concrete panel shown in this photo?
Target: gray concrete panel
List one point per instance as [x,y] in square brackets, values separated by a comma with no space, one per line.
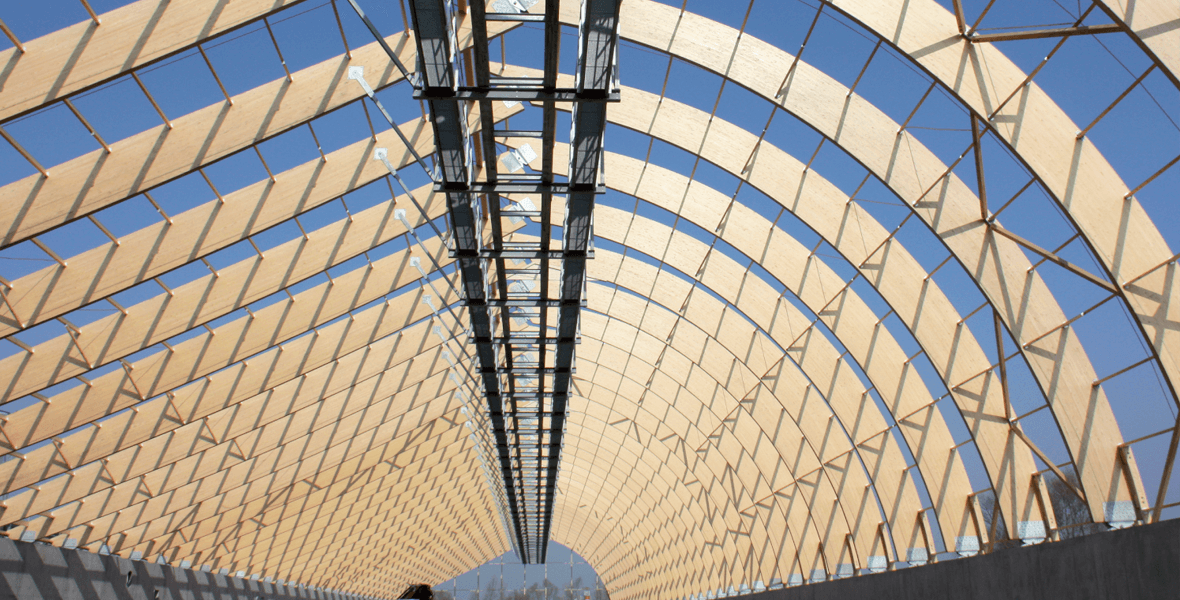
[33,571]
[1142,563]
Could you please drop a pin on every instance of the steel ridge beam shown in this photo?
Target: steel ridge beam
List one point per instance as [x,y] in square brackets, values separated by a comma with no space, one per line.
[598,37]
[432,23]
[441,87]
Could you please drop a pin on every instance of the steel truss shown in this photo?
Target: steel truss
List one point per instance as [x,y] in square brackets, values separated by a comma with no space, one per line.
[524,330]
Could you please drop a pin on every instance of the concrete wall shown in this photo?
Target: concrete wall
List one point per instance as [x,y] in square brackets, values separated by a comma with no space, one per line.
[30,571]
[1140,563]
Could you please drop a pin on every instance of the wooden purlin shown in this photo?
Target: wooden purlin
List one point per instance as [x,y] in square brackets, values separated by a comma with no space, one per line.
[860,130]
[335,539]
[640,276]
[42,420]
[85,55]
[603,483]
[271,467]
[1083,184]
[368,572]
[226,429]
[881,357]
[236,340]
[96,180]
[213,296]
[360,533]
[292,373]
[320,491]
[1089,427]
[639,531]
[749,297]
[658,462]
[714,478]
[712,318]
[338,540]
[198,232]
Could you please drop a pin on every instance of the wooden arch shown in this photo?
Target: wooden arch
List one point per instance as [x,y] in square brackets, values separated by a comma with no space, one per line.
[319,437]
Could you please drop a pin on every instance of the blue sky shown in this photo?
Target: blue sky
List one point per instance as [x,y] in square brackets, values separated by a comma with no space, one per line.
[563,567]
[1138,137]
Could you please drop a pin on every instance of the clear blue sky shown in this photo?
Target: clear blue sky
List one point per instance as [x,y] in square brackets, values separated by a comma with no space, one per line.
[563,568]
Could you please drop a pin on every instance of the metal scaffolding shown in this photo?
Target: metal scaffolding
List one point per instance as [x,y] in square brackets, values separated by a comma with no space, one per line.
[523,325]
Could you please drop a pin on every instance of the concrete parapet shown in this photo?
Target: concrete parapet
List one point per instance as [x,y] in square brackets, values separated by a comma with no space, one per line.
[1142,563]
[34,571]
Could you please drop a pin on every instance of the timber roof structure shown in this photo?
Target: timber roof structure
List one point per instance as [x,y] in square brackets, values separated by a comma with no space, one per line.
[825,329]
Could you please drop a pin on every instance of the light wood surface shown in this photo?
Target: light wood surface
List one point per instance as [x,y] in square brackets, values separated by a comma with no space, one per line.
[200,231]
[995,262]
[85,55]
[99,179]
[1155,26]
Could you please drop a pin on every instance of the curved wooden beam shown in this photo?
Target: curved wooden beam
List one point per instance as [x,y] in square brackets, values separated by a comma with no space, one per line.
[99,179]
[995,262]
[82,56]
[218,294]
[1155,26]
[839,305]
